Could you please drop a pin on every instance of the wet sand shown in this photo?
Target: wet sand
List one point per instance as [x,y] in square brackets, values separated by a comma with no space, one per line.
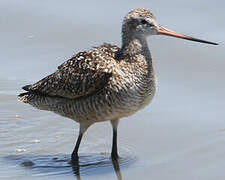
[180,135]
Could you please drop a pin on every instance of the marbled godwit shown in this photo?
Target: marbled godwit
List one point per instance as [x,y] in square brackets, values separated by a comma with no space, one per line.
[105,83]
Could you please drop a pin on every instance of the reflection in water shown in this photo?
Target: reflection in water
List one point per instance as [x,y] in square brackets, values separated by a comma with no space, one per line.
[94,164]
[115,163]
[116,167]
[76,169]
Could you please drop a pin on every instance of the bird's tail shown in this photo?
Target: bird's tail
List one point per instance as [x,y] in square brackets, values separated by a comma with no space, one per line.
[26,88]
[50,103]
[23,97]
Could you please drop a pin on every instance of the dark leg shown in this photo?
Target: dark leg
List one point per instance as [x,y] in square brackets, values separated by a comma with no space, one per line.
[74,156]
[114,153]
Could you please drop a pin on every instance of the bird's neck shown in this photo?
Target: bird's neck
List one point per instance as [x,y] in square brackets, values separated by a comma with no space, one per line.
[133,46]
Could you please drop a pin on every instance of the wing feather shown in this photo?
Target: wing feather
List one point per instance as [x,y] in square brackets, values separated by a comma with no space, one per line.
[77,77]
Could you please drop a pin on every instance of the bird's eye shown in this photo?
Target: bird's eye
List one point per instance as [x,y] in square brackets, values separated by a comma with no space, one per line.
[144,21]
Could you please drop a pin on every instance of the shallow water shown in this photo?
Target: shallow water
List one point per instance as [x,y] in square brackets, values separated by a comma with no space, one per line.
[180,135]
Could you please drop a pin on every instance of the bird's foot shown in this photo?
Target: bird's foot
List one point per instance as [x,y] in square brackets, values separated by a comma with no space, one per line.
[114,156]
[74,158]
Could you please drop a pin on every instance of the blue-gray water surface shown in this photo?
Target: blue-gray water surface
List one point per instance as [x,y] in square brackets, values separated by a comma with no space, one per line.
[180,135]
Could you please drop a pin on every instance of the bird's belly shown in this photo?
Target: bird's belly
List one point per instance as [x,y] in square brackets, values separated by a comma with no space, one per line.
[125,104]
[147,100]
[110,104]
[102,106]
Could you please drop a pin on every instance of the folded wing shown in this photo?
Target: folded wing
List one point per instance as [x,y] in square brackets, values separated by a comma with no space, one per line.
[75,78]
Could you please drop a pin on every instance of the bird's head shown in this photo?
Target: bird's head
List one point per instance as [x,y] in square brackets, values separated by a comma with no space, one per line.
[142,23]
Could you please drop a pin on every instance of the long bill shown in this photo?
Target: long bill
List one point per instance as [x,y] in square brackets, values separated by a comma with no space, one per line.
[167,32]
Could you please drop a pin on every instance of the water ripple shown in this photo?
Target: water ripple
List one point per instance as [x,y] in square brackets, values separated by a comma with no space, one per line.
[60,164]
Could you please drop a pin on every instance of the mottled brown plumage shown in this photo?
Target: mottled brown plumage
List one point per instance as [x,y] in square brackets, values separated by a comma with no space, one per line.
[94,86]
[84,74]
[106,82]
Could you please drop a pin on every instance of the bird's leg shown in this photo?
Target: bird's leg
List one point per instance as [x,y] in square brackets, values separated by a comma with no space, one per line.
[74,156]
[114,153]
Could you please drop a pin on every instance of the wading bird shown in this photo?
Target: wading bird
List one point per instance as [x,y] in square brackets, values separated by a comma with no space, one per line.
[106,82]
